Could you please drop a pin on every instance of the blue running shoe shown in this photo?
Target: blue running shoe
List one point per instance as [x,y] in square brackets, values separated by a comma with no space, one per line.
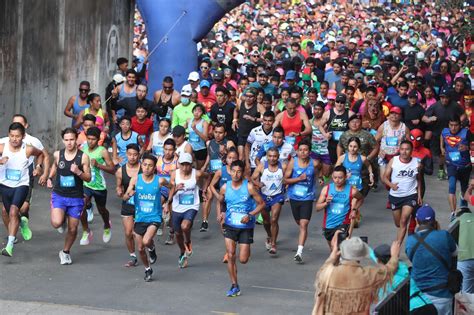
[234,291]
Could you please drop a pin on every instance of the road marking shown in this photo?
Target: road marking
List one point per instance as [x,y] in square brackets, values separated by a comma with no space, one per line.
[282,289]
[224,313]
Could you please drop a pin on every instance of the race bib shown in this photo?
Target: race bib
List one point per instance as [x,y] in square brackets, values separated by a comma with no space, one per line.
[336,135]
[186,199]
[193,137]
[67,181]
[92,175]
[236,217]
[455,156]
[354,180]
[157,150]
[215,164]
[336,208]
[146,206]
[373,132]
[290,140]
[13,175]
[391,141]
[300,190]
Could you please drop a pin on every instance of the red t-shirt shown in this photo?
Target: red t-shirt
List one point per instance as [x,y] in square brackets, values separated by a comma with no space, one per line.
[144,129]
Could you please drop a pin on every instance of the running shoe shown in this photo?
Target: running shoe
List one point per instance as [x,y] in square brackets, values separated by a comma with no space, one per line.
[273,250]
[234,291]
[90,213]
[452,217]
[62,228]
[152,253]
[8,250]
[25,229]
[204,226]
[259,220]
[298,258]
[14,242]
[189,249]
[462,202]
[183,261]
[268,244]
[133,262]
[107,235]
[170,239]
[148,273]
[159,232]
[65,259]
[441,174]
[225,259]
[86,238]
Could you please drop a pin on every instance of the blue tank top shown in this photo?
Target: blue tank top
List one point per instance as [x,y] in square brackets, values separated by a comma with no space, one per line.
[122,145]
[239,204]
[302,190]
[195,141]
[76,109]
[338,211]
[451,144]
[225,176]
[122,94]
[355,169]
[147,200]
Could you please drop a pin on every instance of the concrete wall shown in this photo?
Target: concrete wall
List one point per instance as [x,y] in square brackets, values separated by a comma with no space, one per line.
[47,47]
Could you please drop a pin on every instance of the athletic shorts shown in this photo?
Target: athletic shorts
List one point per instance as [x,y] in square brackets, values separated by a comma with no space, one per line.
[13,196]
[328,233]
[200,155]
[241,140]
[301,209]
[271,200]
[100,196]
[141,227]
[30,190]
[461,173]
[72,207]
[178,217]
[323,158]
[398,202]
[332,148]
[127,210]
[165,192]
[241,236]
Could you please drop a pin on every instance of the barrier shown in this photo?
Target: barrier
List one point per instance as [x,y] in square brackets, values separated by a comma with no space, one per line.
[396,302]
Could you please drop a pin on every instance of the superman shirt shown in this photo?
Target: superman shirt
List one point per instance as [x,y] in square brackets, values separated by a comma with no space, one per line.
[452,142]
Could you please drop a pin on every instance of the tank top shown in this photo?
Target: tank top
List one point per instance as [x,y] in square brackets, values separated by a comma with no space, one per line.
[126,182]
[66,183]
[215,158]
[97,175]
[122,145]
[338,210]
[245,125]
[292,124]
[157,144]
[164,169]
[355,168]
[180,149]
[187,198]
[319,143]
[391,138]
[122,94]
[304,190]
[451,145]
[337,124]
[273,181]
[77,109]
[164,110]
[99,118]
[239,204]
[15,172]
[404,174]
[225,176]
[197,143]
[147,200]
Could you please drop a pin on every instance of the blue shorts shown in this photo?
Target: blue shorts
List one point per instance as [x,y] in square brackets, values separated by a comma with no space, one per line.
[165,191]
[13,196]
[323,158]
[271,200]
[72,207]
[177,218]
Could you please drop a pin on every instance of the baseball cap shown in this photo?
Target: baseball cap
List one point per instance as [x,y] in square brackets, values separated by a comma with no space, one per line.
[290,75]
[353,41]
[178,131]
[332,94]
[186,91]
[420,55]
[393,29]
[220,56]
[255,53]
[324,49]
[425,213]
[263,74]
[382,251]
[359,75]
[413,94]
[185,157]
[355,116]
[444,92]
[118,78]
[341,98]
[396,110]
[193,76]
[219,75]
[205,83]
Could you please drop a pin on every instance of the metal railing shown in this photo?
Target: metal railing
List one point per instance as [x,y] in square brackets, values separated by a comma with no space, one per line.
[396,302]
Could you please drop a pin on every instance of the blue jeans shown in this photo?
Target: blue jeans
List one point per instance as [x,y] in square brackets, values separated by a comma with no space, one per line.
[443,305]
[467,269]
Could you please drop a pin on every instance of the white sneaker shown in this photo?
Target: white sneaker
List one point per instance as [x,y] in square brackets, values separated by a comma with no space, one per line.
[65,259]
[86,238]
[159,232]
[107,235]
[63,227]
[90,214]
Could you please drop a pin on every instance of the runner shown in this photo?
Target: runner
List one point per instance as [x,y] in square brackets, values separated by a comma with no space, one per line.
[182,146]
[122,91]
[70,169]
[123,177]
[243,204]
[119,143]
[145,189]
[87,122]
[258,137]
[95,108]
[246,117]
[294,122]
[403,176]
[159,137]
[78,103]
[268,177]
[286,150]
[340,201]
[100,161]
[197,130]
[15,180]
[143,126]
[319,143]
[300,177]
[185,204]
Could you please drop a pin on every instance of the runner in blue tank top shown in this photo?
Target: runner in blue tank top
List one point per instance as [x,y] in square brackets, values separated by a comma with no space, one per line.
[145,189]
[119,143]
[268,177]
[300,176]
[243,203]
[78,103]
[339,200]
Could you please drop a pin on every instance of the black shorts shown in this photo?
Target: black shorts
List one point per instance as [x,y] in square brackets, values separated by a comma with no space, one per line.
[13,196]
[329,233]
[141,227]
[200,155]
[30,190]
[100,196]
[301,209]
[332,149]
[241,236]
[241,140]
[127,210]
[398,202]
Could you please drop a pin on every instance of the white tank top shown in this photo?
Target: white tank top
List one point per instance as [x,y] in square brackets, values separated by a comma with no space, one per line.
[15,172]
[273,181]
[157,144]
[187,198]
[181,148]
[391,138]
[404,174]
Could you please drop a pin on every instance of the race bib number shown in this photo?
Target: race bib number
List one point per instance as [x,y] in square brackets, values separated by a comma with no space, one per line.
[236,217]
[13,175]
[391,141]
[193,137]
[300,190]
[336,208]
[67,181]
[146,206]
[336,135]
[157,150]
[215,165]
[290,140]
[186,199]
[354,180]
[455,156]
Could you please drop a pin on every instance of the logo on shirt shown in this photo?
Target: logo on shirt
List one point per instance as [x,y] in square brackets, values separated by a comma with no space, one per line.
[61,165]
[453,141]
[406,173]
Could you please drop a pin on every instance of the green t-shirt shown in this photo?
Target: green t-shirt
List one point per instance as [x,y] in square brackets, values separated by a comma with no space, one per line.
[466,231]
[182,113]
[97,175]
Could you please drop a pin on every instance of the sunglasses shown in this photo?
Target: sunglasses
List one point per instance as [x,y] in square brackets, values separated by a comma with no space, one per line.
[84,90]
[167,87]
[249,95]
[339,102]
[204,68]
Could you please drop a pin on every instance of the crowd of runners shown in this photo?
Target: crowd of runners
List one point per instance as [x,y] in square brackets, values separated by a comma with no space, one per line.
[288,100]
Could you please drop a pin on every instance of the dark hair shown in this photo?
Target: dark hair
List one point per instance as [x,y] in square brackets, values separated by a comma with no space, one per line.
[340,168]
[69,130]
[167,79]
[131,71]
[269,113]
[89,117]
[238,163]
[91,97]
[406,142]
[219,125]
[313,90]
[165,119]
[273,149]
[148,156]
[326,83]
[141,105]
[121,60]
[17,126]
[455,118]
[291,100]
[279,129]
[305,142]
[200,106]
[93,131]
[86,83]
[22,117]
[402,84]
[222,89]
[170,142]
[268,97]
[125,118]
[133,146]
[355,139]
